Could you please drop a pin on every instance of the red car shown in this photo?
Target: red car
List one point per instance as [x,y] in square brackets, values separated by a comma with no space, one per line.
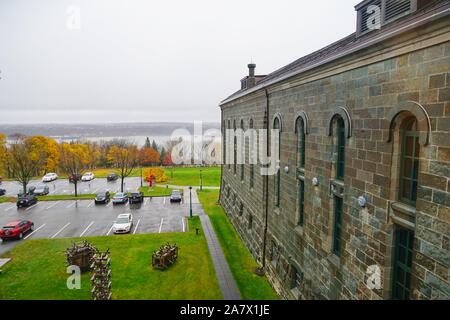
[16,229]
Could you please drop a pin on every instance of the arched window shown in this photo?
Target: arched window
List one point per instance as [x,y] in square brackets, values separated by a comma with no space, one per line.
[340,144]
[234,147]
[252,166]
[243,150]
[409,161]
[277,126]
[301,142]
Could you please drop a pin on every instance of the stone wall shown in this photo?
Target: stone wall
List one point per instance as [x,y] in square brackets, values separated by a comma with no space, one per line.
[369,94]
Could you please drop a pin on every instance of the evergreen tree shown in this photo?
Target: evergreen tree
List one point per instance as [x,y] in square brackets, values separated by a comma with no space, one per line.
[147,143]
[154,145]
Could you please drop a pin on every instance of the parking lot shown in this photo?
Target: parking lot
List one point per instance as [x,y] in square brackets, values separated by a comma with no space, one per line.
[62,219]
[62,186]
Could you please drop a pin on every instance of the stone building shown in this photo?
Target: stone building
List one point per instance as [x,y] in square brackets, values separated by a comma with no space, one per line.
[363,190]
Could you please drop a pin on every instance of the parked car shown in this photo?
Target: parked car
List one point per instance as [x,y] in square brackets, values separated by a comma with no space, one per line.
[88,176]
[112,177]
[123,223]
[175,196]
[136,197]
[49,177]
[41,190]
[120,198]
[74,177]
[2,192]
[102,197]
[26,200]
[16,229]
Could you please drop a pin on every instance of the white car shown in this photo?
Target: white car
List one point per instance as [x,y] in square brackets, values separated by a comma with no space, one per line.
[49,177]
[88,176]
[123,223]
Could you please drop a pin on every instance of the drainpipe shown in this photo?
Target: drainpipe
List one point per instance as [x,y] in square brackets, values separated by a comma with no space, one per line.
[266,184]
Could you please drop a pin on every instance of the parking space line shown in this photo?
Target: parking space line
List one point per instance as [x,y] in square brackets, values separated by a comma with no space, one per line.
[52,205]
[29,208]
[160,226]
[182,222]
[72,204]
[110,230]
[91,204]
[164,200]
[109,204]
[60,230]
[137,225]
[34,231]
[7,209]
[145,201]
[87,228]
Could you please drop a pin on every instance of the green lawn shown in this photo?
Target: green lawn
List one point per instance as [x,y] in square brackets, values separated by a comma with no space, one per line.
[190,176]
[58,197]
[156,191]
[38,269]
[7,199]
[242,264]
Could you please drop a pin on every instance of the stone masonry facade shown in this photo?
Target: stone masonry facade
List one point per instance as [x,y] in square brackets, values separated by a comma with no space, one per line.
[373,90]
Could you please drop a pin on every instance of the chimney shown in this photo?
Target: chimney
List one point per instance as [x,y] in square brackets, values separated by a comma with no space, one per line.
[251,80]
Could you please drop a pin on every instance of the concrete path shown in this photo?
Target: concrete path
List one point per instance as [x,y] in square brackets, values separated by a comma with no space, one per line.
[227,283]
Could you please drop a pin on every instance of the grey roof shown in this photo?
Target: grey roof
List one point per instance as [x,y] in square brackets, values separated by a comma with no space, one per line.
[348,45]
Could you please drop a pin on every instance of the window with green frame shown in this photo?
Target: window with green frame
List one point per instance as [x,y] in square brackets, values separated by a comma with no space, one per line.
[301,202]
[403,254]
[409,169]
[234,148]
[252,166]
[277,126]
[340,162]
[337,228]
[301,142]
[242,165]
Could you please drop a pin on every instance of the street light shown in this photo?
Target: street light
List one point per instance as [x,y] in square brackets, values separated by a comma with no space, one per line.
[141,178]
[201,180]
[190,202]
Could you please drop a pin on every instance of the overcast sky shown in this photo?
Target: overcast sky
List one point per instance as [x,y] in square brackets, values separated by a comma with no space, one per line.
[145,61]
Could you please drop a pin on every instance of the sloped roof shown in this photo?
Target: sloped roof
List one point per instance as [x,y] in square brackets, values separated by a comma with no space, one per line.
[348,45]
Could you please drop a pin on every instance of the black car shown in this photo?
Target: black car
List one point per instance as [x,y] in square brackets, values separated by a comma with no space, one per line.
[26,200]
[112,177]
[136,197]
[103,198]
[41,190]
[2,192]
[74,177]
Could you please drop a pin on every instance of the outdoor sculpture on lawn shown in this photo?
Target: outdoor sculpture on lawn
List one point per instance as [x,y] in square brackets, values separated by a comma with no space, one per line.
[165,256]
[101,275]
[80,254]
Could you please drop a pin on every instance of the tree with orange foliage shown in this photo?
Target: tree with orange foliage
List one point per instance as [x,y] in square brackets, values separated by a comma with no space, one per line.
[167,161]
[74,158]
[148,157]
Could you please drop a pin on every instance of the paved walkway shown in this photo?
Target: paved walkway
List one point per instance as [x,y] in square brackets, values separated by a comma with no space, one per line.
[227,283]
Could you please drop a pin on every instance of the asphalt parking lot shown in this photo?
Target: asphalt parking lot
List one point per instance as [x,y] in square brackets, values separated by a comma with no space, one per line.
[63,219]
[62,186]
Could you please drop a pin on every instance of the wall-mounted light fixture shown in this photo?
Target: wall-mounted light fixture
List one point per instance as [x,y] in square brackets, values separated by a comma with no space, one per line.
[315,181]
[362,201]
[286,169]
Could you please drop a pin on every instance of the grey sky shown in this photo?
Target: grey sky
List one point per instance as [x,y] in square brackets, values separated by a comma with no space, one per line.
[135,60]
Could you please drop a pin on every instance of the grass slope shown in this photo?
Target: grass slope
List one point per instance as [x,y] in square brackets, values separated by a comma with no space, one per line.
[38,269]
[242,264]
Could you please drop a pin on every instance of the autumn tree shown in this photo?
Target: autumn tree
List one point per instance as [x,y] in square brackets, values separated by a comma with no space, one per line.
[24,161]
[74,159]
[93,154]
[46,149]
[167,161]
[125,158]
[3,162]
[148,157]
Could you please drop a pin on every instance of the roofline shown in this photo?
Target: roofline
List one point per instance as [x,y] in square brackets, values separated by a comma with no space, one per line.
[377,39]
[362,4]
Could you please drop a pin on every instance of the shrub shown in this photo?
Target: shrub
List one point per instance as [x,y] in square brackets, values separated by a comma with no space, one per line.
[157,173]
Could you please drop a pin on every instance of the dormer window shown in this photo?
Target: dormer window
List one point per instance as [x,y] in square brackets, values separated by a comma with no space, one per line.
[374,14]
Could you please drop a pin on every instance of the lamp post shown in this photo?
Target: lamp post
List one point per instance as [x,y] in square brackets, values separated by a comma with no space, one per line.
[141,178]
[190,202]
[201,180]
